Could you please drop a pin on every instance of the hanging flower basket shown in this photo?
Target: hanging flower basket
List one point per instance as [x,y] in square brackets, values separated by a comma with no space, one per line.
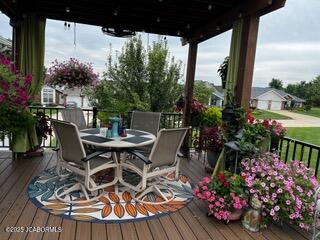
[71,74]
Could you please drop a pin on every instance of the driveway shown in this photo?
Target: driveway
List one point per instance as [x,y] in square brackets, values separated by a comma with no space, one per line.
[298,120]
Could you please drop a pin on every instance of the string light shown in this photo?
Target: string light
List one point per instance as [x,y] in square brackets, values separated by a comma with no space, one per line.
[67,9]
[188,26]
[209,7]
[158,19]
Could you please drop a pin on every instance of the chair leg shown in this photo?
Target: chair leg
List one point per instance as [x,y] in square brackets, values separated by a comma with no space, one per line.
[71,188]
[156,189]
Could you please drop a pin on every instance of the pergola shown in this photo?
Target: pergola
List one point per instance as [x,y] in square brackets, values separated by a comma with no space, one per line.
[193,20]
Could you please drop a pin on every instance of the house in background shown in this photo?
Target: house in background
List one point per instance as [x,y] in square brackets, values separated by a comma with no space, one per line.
[51,96]
[5,45]
[264,98]
[62,96]
[273,99]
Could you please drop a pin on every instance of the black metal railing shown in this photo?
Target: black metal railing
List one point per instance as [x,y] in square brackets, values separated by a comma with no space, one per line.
[288,149]
[292,149]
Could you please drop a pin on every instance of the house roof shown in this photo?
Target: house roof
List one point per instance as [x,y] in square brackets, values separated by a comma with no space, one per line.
[258,91]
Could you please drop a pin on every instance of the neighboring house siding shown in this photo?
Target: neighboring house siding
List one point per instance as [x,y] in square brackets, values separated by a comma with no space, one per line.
[83,103]
[270,100]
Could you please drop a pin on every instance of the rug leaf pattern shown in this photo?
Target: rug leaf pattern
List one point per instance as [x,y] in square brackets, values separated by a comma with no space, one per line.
[109,207]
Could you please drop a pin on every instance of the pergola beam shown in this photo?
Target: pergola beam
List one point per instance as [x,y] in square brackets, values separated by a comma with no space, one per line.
[224,21]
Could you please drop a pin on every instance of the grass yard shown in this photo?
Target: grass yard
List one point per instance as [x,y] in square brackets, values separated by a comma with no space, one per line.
[313,112]
[309,135]
[262,114]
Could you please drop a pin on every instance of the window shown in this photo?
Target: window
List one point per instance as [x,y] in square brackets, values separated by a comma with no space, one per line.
[47,96]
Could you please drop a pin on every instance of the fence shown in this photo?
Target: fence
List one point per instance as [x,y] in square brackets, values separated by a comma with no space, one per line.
[292,149]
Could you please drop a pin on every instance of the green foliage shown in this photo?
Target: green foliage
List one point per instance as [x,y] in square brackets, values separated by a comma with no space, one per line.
[211,117]
[202,92]
[163,75]
[276,83]
[222,71]
[136,80]
[306,90]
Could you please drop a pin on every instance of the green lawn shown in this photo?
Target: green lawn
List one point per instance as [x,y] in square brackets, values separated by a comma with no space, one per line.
[313,112]
[262,114]
[309,135]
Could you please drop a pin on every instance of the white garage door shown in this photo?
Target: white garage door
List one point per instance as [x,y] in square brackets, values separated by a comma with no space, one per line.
[262,104]
[276,105]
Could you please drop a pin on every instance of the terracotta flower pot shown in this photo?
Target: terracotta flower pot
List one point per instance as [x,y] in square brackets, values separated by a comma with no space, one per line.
[235,215]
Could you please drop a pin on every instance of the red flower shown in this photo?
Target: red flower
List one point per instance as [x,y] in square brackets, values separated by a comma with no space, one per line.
[226,184]
[250,117]
[266,124]
[221,177]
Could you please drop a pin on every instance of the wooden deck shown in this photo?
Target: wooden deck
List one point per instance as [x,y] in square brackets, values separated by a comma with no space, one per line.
[190,222]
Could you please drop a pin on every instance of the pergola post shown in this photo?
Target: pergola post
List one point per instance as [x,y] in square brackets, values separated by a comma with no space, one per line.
[246,60]
[188,91]
[16,41]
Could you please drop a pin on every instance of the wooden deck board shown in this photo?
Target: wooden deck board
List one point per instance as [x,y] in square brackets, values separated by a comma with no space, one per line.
[143,230]
[99,231]
[114,231]
[188,223]
[157,231]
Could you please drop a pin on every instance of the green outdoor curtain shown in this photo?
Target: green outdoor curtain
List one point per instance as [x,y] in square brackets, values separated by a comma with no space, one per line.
[232,73]
[233,65]
[32,50]
[31,62]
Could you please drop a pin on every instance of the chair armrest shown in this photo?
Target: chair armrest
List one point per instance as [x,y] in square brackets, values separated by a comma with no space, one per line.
[93,155]
[56,149]
[140,156]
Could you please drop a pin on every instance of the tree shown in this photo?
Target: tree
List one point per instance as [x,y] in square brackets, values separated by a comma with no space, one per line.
[276,83]
[135,80]
[163,76]
[306,90]
[202,91]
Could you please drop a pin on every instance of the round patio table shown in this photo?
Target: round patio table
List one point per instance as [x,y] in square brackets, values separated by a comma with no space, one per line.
[134,139]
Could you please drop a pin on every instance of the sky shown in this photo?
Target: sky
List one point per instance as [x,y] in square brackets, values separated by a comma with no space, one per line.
[288,45]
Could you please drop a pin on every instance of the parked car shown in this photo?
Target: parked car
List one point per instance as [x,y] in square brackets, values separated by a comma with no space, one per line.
[71,104]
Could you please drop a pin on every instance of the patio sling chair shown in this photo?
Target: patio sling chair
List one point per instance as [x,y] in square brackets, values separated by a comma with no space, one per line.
[74,115]
[84,166]
[147,122]
[162,160]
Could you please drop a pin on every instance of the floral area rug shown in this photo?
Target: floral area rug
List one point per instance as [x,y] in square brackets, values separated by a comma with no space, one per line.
[110,207]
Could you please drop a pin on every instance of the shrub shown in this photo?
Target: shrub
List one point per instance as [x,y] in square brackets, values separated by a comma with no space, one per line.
[211,117]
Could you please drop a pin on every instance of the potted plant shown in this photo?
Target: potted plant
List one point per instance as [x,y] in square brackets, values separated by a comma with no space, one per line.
[212,141]
[15,117]
[225,195]
[211,117]
[43,127]
[256,133]
[286,191]
[276,130]
[196,109]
